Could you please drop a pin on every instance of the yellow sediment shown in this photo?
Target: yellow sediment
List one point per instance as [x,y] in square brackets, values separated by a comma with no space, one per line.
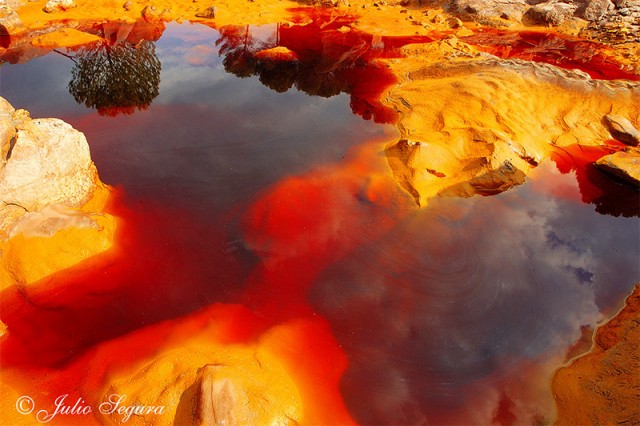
[247,384]
[28,257]
[65,37]
[466,116]
[227,12]
[195,374]
[9,405]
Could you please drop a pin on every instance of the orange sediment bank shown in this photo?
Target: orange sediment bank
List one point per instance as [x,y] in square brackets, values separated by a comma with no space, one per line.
[223,361]
[602,386]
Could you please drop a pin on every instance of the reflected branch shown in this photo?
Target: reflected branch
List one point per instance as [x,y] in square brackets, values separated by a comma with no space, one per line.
[116,79]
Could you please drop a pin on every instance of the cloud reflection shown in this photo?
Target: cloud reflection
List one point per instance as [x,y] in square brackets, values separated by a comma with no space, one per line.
[468,292]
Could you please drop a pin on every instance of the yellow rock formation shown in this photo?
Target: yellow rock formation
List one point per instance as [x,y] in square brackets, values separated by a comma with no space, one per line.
[202,374]
[478,126]
[206,383]
[52,212]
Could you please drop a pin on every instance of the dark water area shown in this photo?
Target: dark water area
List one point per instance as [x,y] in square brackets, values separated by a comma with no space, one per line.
[250,191]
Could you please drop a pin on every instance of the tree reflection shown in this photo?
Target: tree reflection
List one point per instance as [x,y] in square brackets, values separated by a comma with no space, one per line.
[116,79]
[323,60]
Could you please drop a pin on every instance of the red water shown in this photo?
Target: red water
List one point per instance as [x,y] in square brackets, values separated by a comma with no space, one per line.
[608,195]
[331,59]
[165,263]
[550,48]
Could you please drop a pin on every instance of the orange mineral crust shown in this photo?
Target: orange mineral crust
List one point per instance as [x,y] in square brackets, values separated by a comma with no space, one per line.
[603,385]
[223,362]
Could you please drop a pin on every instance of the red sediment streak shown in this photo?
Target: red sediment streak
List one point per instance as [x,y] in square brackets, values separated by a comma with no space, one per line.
[560,50]
[306,223]
[504,412]
[609,196]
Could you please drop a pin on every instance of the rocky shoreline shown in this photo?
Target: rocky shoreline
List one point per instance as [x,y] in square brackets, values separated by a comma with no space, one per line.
[52,198]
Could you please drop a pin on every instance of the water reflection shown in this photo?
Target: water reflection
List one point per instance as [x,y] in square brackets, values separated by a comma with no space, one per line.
[609,196]
[116,79]
[322,56]
[473,299]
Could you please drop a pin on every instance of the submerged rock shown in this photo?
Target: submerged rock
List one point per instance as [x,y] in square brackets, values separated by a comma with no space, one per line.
[624,165]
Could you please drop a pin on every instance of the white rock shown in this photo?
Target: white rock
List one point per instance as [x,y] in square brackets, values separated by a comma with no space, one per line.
[49,164]
[58,5]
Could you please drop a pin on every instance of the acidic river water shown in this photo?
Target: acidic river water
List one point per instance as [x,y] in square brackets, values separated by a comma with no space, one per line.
[241,190]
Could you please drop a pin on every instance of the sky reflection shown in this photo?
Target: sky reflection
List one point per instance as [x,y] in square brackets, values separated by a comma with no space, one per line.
[205,129]
[474,291]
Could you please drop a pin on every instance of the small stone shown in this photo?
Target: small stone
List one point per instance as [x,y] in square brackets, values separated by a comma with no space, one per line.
[127,5]
[550,13]
[596,9]
[150,13]
[214,398]
[10,22]
[485,11]
[621,129]
[58,5]
[7,139]
[454,23]
[208,13]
